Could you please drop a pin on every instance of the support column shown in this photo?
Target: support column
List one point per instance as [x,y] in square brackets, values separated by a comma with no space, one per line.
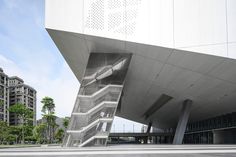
[183,120]
[148,131]
[149,127]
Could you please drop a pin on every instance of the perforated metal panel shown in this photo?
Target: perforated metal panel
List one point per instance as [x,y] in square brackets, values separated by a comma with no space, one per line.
[113,4]
[114,20]
[115,16]
[95,18]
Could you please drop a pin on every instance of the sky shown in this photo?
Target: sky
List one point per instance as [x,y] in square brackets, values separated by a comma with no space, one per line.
[27,51]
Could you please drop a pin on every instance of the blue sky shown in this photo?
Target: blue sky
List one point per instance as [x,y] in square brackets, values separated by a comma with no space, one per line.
[26,50]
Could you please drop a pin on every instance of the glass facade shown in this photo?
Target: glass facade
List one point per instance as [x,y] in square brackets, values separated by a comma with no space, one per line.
[201,132]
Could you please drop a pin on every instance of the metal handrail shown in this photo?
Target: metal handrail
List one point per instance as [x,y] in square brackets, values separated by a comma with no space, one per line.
[104,101]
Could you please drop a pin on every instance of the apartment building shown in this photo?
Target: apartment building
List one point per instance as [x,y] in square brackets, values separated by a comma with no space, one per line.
[13,90]
[21,93]
[4,97]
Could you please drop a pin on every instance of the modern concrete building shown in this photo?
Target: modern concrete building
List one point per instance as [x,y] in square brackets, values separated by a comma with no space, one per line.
[21,93]
[166,63]
[4,97]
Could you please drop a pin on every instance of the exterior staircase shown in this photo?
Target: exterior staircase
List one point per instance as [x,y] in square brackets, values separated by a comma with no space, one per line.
[92,117]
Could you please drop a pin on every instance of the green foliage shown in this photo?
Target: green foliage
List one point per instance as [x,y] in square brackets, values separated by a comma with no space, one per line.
[39,132]
[22,112]
[59,135]
[16,131]
[50,118]
[9,134]
[4,131]
[49,115]
[11,138]
[29,130]
[45,132]
[30,139]
[25,116]
[66,122]
[48,105]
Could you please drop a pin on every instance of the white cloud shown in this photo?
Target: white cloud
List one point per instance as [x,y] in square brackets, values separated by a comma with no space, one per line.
[10,66]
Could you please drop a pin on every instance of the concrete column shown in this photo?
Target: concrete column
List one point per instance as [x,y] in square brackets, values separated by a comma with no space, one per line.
[183,120]
[149,127]
[148,131]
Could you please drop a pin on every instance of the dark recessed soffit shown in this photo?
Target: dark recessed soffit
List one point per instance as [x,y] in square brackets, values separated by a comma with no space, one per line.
[161,101]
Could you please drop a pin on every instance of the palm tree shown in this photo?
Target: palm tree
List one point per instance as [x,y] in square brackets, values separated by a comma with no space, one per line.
[48,110]
[48,105]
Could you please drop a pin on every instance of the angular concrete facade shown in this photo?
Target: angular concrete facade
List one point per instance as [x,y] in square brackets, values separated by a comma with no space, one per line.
[181,49]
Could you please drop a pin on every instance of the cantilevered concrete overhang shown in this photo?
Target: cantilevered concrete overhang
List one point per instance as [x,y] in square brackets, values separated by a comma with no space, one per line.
[209,81]
[180,51]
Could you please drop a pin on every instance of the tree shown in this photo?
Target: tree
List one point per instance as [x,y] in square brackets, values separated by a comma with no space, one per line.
[65,122]
[59,135]
[48,105]
[4,132]
[24,115]
[15,131]
[11,139]
[39,133]
[48,110]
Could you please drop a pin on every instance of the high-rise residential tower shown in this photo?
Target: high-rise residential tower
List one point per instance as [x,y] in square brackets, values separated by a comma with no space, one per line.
[4,97]
[12,91]
[21,93]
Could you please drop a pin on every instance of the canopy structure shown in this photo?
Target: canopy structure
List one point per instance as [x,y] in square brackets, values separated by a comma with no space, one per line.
[178,53]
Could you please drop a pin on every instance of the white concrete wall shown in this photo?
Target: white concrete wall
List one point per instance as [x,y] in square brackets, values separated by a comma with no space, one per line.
[64,15]
[205,26]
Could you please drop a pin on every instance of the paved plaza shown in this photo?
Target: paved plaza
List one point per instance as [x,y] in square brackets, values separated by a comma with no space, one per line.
[126,150]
